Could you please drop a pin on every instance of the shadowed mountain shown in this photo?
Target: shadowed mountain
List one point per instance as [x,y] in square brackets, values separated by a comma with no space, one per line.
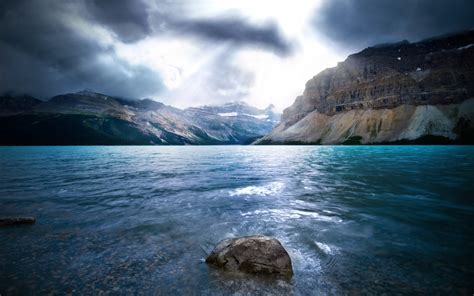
[404,92]
[11,105]
[89,118]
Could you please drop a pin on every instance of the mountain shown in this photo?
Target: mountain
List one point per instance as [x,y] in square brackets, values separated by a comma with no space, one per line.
[404,92]
[234,122]
[10,105]
[90,118]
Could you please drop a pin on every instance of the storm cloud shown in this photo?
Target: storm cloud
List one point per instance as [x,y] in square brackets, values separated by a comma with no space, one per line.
[49,47]
[127,19]
[189,52]
[236,30]
[362,23]
[46,49]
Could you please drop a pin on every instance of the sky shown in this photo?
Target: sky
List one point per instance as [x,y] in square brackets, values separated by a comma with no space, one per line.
[196,52]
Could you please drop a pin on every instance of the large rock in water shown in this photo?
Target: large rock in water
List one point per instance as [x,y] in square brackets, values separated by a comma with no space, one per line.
[252,254]
[403,92]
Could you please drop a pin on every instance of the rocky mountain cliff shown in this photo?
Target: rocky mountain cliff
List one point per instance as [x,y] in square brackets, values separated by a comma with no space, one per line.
[90,118]
[404,92]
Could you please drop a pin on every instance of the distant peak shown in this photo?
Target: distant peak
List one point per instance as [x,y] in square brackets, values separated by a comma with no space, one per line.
[270,107]
[90,92]
[236,103]
[147,103]
[149,100]
[86,91]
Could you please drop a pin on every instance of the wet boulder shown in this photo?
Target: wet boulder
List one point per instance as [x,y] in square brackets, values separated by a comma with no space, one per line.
[6,221]
[252,254]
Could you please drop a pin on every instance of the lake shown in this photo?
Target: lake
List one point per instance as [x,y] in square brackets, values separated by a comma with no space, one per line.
[141,220]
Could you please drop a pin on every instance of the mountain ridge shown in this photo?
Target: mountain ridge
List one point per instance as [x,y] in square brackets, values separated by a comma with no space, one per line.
[87,118]
[392,93]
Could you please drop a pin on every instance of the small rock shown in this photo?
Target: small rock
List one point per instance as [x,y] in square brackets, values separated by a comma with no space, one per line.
[6,221]
[252,254]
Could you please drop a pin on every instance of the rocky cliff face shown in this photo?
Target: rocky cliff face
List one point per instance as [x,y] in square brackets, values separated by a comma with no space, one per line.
[388,93]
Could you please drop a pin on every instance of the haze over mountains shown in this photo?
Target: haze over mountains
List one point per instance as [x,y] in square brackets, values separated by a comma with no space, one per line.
[89,118]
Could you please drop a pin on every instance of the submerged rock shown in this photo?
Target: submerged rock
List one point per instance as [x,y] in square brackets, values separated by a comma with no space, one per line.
[252,254]
[16,220]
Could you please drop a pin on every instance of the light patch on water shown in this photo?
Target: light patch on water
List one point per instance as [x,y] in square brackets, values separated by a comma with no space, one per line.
[326,248]
[317,216]
[292,214]
[264,190]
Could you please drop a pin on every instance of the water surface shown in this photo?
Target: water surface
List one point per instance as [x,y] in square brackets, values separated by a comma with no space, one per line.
[121,220]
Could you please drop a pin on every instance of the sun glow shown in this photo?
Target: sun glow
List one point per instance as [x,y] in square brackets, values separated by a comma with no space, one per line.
[174,58]
[186,66]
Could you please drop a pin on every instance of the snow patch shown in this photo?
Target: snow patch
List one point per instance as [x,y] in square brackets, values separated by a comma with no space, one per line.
[261,116]
[228,114]
[466,47]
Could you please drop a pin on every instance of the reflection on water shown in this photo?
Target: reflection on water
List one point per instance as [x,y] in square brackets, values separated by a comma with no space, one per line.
[272,188]
[141,219]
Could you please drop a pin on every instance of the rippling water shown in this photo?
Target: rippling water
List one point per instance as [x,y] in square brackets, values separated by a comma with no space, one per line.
[141,219]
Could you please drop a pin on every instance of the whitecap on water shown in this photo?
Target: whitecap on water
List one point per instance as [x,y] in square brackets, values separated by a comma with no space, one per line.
[264,190]
[304,260]
[289,214]
[325,248]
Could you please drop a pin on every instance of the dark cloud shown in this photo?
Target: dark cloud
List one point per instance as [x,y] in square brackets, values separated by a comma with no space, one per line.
[49,47]
[134,20]
[128,19]
[361,23]
[43,55]
[235,30]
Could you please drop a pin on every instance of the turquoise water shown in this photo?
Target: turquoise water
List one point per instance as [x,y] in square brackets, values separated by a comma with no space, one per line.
[121,220]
